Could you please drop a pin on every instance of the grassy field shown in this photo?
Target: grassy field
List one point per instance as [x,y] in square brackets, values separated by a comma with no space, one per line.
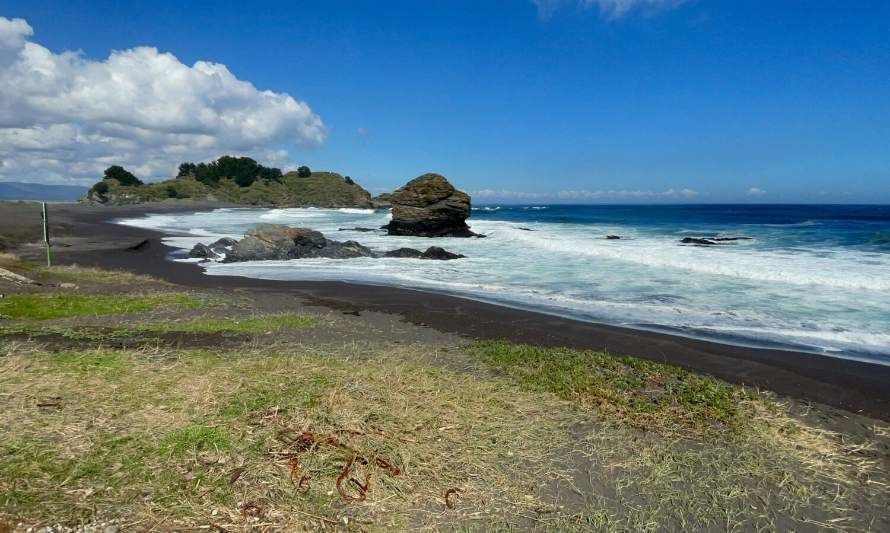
[292,420]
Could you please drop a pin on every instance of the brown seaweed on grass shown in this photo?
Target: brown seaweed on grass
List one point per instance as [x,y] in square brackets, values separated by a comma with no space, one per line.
[390,468]
[449,501]
[251,509]
[362,488]
[304,484]
[235,475]
[305,441]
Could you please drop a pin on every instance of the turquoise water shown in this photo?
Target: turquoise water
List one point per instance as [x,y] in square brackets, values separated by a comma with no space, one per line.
[812,278]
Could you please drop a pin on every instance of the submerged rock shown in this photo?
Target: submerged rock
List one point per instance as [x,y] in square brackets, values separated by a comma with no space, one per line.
[359,229]
[403,252]
[434,252]
[695,240]
[613,237]
[711,241]
[429,206]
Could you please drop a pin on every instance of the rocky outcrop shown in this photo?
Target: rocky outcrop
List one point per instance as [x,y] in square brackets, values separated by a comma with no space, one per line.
[382,201]
[274,241]
[433,252]
[429,206]
[214,250]
[268,242]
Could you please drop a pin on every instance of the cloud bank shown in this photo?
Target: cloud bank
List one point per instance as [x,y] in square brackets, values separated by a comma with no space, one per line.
[569,196]
[65,117]
[610,9]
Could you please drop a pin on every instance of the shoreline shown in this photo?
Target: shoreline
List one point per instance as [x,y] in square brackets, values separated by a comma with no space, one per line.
[88,236]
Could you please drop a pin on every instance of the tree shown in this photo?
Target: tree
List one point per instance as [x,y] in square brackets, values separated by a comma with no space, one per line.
[122,175]
[186,169]
[304,172]
[243,170]
[348,180]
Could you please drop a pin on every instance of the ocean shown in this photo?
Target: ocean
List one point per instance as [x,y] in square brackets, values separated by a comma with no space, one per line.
[812,278]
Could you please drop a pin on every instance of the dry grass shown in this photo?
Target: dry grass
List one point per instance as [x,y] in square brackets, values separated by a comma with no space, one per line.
[158,436]
[685,451]
[762,478]
[171,439]
[75,273]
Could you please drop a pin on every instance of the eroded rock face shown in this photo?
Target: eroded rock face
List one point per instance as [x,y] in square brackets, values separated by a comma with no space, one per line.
[268,242]
[429,206]
[277,242]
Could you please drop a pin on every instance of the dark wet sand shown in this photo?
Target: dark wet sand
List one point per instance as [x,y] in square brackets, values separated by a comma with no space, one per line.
[87,236]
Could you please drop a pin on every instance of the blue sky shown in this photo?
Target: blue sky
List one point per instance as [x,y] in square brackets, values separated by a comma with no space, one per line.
[702,100]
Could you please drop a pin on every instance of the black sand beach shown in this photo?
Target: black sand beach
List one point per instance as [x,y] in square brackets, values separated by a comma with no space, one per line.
[87,236]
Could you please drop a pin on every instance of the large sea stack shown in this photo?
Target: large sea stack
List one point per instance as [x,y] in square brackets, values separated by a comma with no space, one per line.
[429,206]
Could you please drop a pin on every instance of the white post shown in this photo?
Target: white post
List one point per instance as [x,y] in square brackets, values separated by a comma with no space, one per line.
[46,237]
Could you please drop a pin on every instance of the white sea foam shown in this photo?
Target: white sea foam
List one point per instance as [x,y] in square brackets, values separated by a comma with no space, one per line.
[826,300]
[852,270]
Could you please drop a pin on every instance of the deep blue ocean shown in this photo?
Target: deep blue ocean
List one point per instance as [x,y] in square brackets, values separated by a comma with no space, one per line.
[806,277]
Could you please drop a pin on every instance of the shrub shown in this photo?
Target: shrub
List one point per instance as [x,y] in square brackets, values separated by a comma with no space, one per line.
[304,172]
[348,180]
[101,188]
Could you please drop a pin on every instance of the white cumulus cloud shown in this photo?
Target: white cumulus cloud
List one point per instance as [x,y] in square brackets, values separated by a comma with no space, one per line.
[65,117]
[756,191]
[611,9]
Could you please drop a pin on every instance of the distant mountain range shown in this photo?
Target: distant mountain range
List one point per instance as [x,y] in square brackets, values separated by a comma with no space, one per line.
[11,190]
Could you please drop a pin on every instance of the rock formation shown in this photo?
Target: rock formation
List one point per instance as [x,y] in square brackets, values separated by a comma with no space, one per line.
[277,242]
[429,206]
[382,201]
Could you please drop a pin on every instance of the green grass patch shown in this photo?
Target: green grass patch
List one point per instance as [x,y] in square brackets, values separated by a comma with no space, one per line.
[50,306]
[196,438]
[643,393]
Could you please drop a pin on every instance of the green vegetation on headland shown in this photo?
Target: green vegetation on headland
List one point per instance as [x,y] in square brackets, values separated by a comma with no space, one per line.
[256,413]
[238,180]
